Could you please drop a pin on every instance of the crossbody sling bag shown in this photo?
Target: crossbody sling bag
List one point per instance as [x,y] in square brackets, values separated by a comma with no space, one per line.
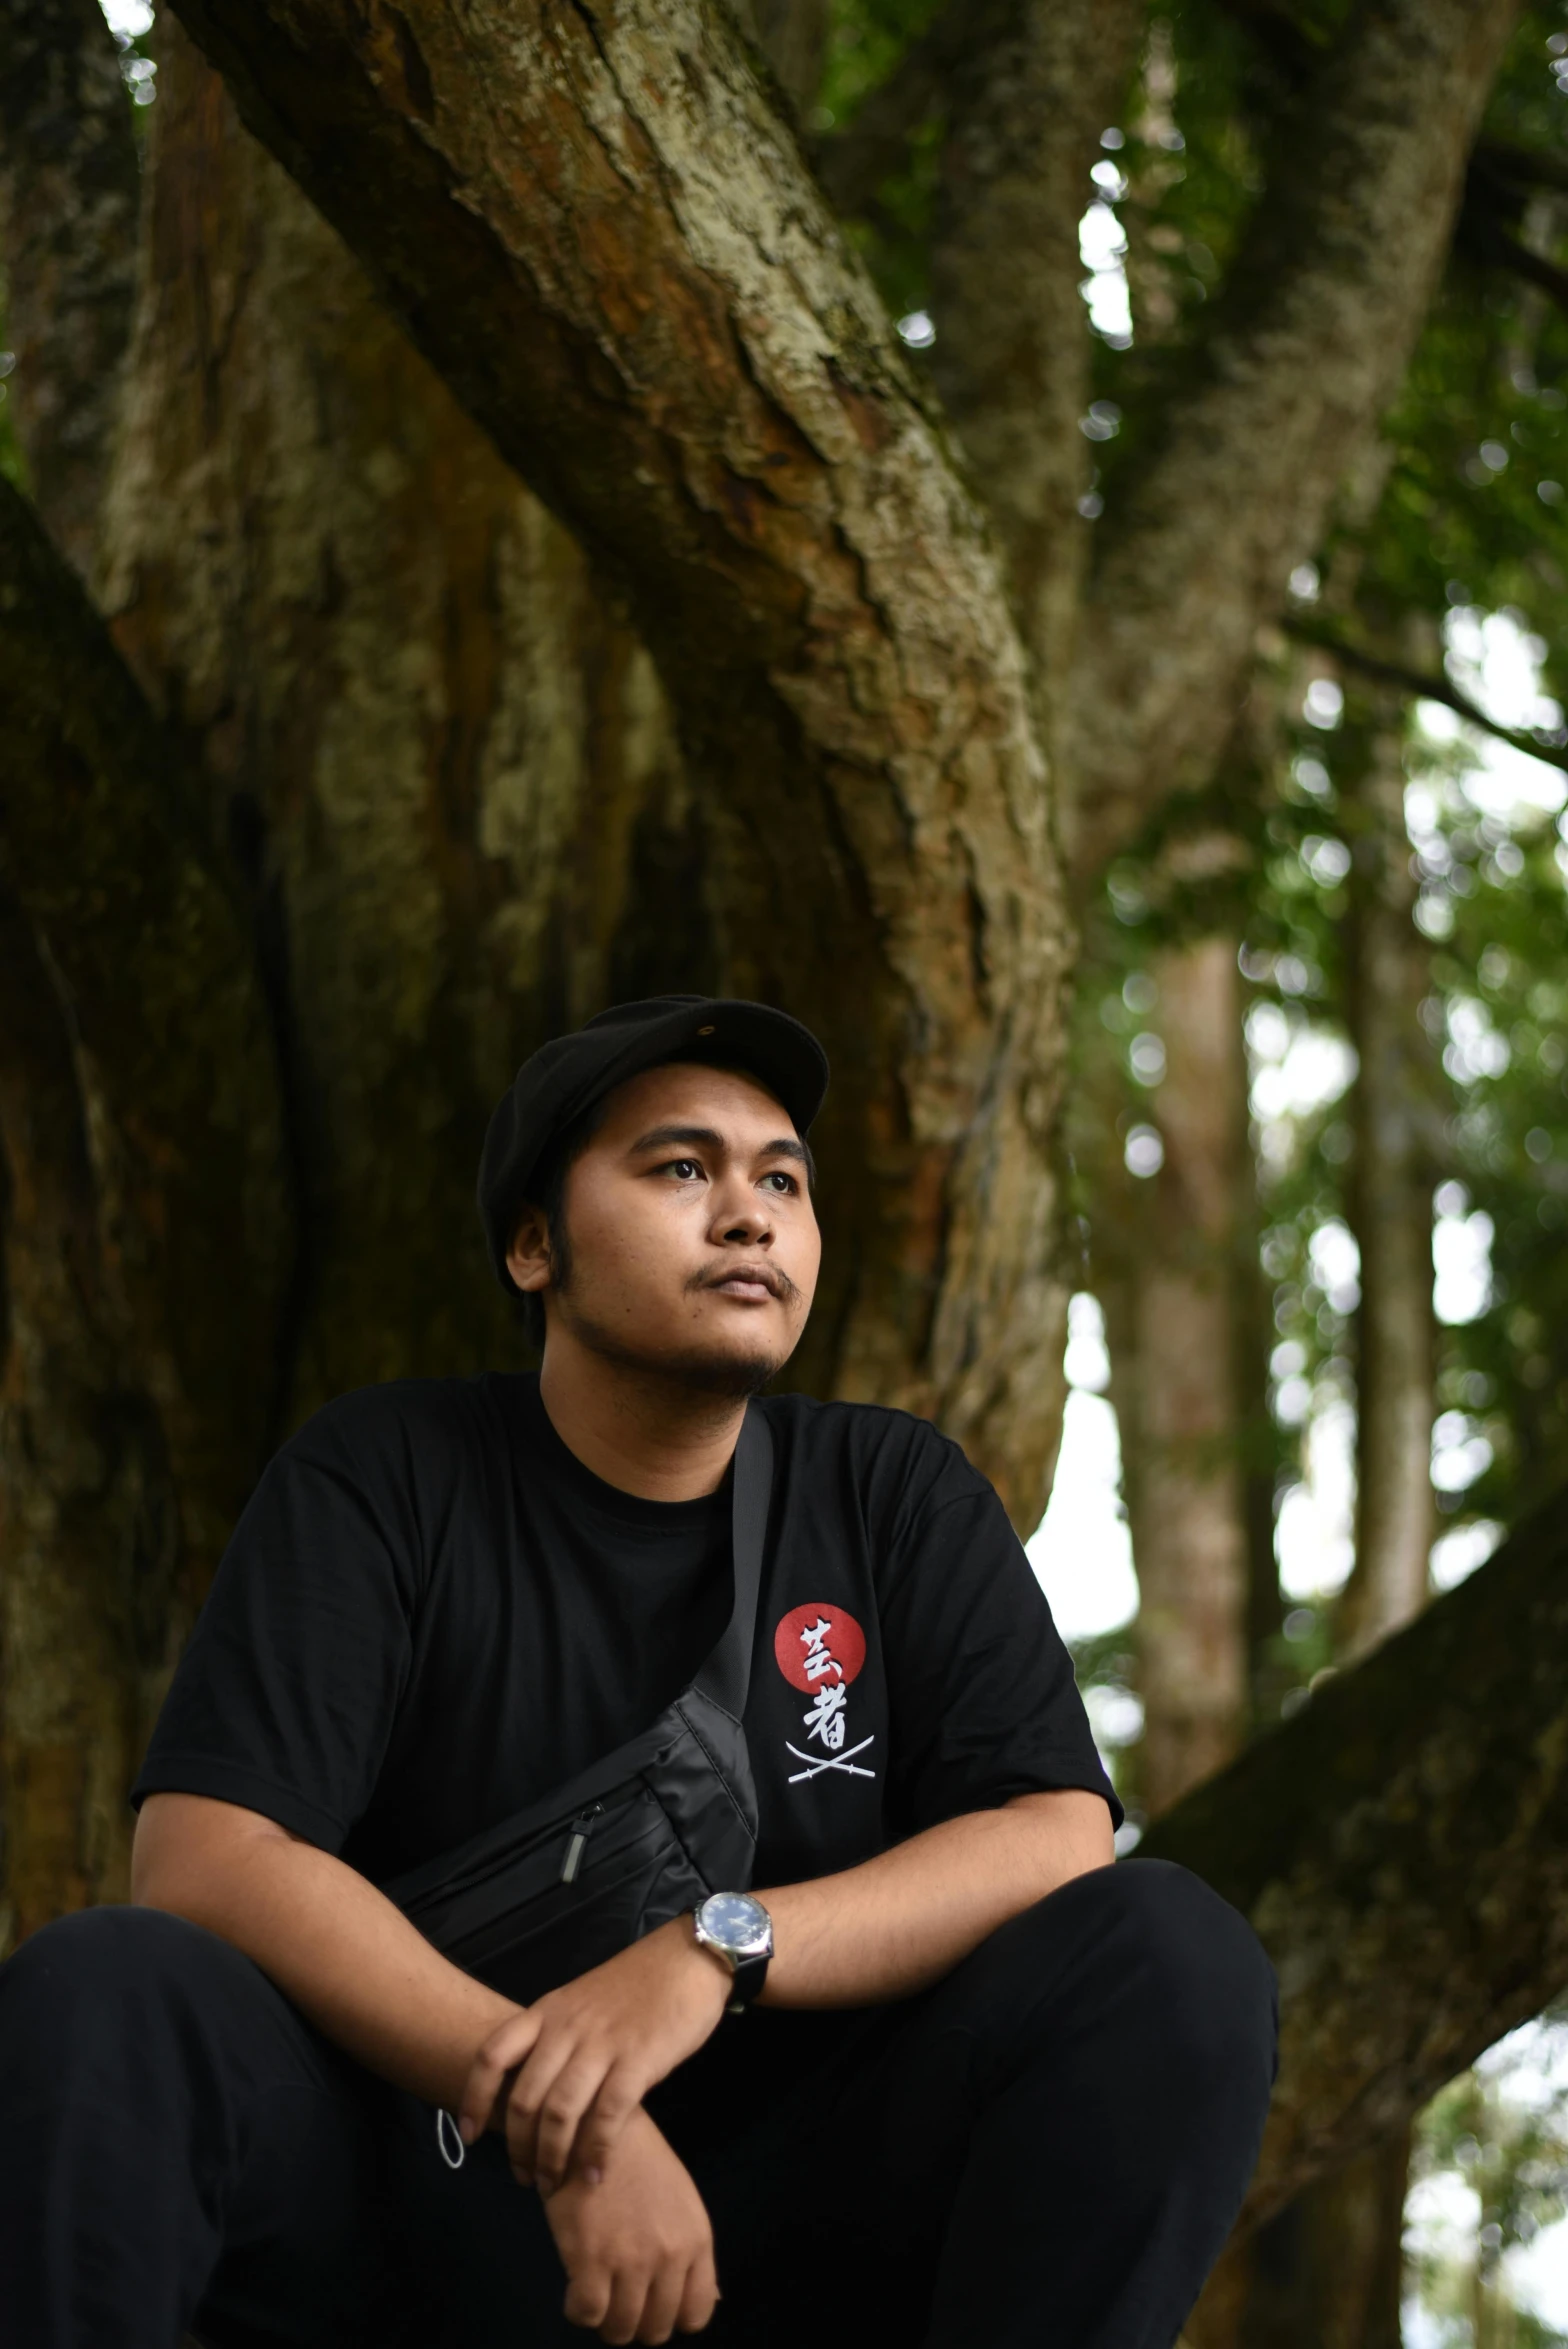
[633,1840]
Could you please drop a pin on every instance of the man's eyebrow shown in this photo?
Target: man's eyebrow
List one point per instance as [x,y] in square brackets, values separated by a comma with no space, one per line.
[705,1138]
[661,1137]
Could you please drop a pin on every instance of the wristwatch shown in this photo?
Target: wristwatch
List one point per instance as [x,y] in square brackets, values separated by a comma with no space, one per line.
[738,1929]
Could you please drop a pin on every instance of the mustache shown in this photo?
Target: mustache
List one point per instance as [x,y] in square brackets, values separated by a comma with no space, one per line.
[772,1277]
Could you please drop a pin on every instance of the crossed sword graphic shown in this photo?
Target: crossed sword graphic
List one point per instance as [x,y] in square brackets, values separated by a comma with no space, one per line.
[816,1765]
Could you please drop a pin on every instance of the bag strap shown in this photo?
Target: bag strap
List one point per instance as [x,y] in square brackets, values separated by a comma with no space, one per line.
[726,1676]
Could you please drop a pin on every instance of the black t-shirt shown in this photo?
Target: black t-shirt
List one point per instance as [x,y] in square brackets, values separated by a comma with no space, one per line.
[431,1614]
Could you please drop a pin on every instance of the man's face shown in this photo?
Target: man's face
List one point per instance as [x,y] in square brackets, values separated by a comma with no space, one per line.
[694,1247]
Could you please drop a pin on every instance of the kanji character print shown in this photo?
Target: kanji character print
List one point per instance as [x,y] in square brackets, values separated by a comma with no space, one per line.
[820,1649]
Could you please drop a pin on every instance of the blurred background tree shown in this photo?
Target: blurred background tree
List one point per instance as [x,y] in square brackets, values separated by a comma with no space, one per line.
[1244,322]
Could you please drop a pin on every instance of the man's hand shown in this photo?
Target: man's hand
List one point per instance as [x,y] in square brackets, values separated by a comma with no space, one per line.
[636,2243]
[585,2055]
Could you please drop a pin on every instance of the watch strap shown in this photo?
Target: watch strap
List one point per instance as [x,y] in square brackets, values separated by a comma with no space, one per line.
[749,1975]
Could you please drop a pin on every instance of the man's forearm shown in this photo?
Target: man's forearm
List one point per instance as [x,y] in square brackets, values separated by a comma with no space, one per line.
[372,1984]
[901,1921]
[577,2064]
[330,1941]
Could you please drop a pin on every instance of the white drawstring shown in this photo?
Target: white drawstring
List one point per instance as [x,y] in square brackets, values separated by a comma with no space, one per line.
[446,2129]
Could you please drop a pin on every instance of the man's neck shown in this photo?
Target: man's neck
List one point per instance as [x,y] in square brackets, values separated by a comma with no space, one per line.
[646,1435]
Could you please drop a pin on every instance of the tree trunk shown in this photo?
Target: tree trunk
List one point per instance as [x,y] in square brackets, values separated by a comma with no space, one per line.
[599,232]
[1390,1195]
[1026,100]
[1174,1328]
[1325,2274]
[68,214]
[148,1225]
[1328,2269]
[88,1526]
[1401,1845]
[445,764]
[1316,326]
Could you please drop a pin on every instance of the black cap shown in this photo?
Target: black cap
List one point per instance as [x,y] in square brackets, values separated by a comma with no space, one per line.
[569,1074]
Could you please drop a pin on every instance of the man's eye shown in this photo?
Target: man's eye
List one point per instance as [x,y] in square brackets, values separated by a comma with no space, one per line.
[786,1182]
[686,1170]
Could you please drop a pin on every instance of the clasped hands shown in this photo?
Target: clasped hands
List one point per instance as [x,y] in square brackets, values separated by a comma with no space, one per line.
[564,2081]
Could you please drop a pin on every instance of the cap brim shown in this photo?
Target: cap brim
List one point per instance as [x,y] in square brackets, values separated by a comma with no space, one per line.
[752,1037]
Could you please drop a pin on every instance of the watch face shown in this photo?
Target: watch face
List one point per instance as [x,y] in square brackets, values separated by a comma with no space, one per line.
[738,1924]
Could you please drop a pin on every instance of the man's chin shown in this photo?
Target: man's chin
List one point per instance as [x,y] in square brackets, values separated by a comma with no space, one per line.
[701,1369]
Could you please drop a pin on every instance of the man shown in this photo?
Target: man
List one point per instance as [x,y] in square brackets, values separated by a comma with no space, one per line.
[994,2091]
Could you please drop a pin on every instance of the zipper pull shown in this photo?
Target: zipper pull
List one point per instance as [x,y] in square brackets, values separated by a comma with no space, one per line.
[582,1828]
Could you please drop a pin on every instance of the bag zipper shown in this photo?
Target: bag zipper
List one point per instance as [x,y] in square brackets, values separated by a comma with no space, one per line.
[582,1828]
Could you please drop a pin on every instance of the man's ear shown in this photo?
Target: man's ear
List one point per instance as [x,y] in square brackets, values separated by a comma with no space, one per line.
[528,1258]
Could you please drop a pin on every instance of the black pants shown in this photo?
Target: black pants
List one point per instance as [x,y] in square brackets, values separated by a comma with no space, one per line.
[1046,2149]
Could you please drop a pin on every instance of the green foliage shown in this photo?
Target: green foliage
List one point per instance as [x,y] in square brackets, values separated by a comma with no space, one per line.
[1494,2147]
[866,40]
[1472,516]
[1501,980]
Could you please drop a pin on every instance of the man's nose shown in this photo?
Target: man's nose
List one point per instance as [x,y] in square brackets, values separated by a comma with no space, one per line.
[743,1216]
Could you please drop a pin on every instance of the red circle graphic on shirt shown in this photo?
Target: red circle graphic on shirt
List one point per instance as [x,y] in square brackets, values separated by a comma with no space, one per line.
[819,1644]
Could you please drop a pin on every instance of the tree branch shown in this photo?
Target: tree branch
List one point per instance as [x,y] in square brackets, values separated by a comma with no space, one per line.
[1026,102]
[103,848]
[1524,167]
[1423,686]
[1402,1848]
[601,236]
[1491,243]
[1308,346]
[68,211]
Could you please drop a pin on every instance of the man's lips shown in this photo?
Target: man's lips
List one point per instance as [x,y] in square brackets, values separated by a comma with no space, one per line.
[751,1282]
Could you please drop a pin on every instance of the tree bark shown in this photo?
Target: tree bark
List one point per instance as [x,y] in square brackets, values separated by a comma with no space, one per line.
[1328,2270]
[148,1229]
[89,1596]
[602,237]
[1401,1845]
[1315,328]
[1026,100]
[1326,2273]
[1390,1201]
[104,849]
[446,763]
[1174,1363]
[68,208]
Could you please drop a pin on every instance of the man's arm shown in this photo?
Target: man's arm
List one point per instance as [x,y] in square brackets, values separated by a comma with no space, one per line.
[330,1941]
[636,2243]
[589,2052]
[898,1923]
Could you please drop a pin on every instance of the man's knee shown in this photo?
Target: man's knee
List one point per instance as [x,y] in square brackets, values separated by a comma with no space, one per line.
[1193,1983]
[1149,1956]
[116,1972]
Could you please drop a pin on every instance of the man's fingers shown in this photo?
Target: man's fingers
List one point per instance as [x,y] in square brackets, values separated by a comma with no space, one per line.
[628,2295]
[588,2297]
[663,2302]
[701,2295]
[507,2046]
[532,2090]
[569,2096]
[620,2093]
